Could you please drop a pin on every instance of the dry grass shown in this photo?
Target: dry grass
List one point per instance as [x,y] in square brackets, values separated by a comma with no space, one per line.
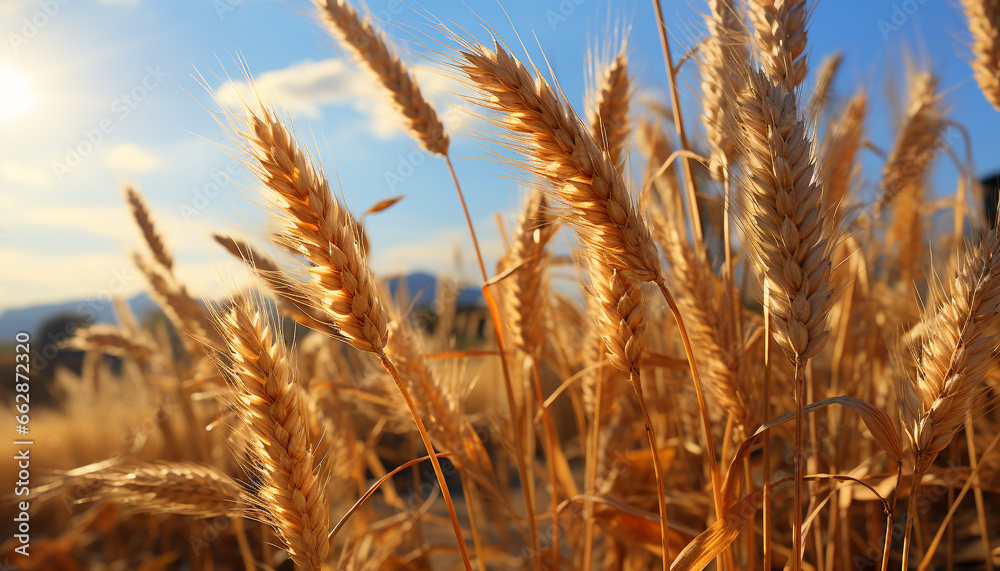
[291,424]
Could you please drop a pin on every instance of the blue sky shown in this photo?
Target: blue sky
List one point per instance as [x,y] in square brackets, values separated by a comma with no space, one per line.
[124,74]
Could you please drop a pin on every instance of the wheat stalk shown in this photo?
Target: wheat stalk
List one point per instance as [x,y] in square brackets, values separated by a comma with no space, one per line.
[780,34]
[313,223]
[984,23]
[369,46]
[292,494]
[184,488]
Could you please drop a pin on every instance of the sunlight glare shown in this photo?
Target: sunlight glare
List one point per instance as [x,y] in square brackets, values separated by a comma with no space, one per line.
[16,95]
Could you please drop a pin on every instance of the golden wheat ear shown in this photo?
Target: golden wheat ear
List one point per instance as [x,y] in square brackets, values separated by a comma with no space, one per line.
[560,149]
[144,220]
[274,409]
[184,488]
[956,353]
[723,54]
[780,37]
[984,23]
[608,113]
[919,133]
[370,47]
[312,222]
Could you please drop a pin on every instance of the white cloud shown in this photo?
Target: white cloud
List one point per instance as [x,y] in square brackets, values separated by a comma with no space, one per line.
[436,252]
[24,174]
[303,88]
[131,158]
[300,88]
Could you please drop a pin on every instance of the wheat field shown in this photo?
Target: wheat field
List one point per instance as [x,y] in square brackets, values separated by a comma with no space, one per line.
[744,365]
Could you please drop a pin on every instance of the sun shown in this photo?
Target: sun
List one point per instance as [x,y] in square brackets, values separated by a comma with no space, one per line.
[16,95]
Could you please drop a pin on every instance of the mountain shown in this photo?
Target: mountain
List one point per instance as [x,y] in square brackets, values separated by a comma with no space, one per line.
[30,319]
[422,289]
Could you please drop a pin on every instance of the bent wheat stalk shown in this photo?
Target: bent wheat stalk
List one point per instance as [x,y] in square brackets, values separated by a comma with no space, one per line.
[370,46]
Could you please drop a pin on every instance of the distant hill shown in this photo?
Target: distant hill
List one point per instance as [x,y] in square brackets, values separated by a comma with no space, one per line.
[31,318]
[422,289]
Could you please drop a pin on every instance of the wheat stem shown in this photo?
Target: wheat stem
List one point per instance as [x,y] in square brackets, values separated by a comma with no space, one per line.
[705,419]
[494,310]
[426,439]
[661,494]
[675,104]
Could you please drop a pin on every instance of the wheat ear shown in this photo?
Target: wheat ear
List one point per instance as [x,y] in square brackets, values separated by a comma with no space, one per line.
[723,54]
[292,495]
[825,75]
[143,219]
[292,298]
[527,288]
[916,139]
[620,304]
[187,313]
[369,46]
[841,168]
[984,23]
[790,239]
[562,151]
[184,488]
[312,222]
[112,340]
[780,35]
[609,113]
[957,351]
